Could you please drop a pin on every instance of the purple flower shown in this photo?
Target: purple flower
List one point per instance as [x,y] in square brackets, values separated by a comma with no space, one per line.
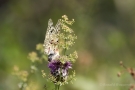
[67,65]
[58,68]
[54,66]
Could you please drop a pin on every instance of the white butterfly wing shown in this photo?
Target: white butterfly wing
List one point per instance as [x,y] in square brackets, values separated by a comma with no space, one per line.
[51,38]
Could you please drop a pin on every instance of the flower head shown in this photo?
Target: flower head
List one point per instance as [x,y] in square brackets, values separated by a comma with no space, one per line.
[67,65]
[58,68]
[54,66]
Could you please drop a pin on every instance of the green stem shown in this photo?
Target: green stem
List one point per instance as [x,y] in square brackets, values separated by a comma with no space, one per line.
[65,44]
[55,87]
[58,87]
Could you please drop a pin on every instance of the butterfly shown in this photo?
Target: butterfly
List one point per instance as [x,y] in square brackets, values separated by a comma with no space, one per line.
[51,40]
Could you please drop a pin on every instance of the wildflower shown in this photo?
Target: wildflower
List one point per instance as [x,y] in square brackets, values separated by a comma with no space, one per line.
[58,68]
[33,56]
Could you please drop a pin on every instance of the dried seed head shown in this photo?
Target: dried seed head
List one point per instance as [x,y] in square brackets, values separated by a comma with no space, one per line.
[119,74]
[131,71]
[132,86]
[121,63]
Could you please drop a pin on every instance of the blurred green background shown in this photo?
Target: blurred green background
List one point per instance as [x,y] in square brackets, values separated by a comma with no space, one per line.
[105,30]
